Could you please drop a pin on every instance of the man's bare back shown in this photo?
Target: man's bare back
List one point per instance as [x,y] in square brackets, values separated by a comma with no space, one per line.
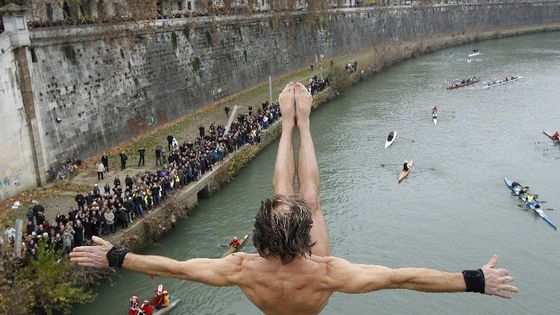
[293,272]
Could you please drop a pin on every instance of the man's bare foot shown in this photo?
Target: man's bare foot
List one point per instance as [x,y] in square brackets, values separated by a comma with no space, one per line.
[287,104]
[303,101]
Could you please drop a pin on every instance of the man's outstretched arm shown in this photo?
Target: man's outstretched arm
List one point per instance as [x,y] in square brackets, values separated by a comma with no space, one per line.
[353,278]
[214,272]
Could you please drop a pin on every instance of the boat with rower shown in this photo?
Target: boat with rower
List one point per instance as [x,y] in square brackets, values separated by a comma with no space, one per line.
[166,310]
[463,83]
[233,249]
[551,136]
[390,138]
[533,205]
[474,53]
[502,81]
[404,173]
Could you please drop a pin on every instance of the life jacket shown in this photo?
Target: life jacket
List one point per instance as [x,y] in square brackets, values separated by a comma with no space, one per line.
[165,300]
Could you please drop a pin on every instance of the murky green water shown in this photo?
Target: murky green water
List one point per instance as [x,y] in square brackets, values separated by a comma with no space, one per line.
[452,212]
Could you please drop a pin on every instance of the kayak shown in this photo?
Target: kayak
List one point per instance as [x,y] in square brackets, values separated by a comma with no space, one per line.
[461,84]
[535,206]
[474,54]
[404,174]
[162,311]
[392,135]
[500,82]
[434,119]
[551,137]
[232,249]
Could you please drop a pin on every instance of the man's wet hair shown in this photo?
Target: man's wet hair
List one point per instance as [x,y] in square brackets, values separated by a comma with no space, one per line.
[284,234]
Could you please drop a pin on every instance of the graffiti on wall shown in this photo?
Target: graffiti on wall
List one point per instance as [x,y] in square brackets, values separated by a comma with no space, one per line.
[11,180]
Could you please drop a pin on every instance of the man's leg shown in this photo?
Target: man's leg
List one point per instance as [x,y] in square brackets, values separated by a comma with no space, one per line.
[308,173]
[284,169]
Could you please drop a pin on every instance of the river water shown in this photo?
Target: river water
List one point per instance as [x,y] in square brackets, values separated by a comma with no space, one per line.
[451,213]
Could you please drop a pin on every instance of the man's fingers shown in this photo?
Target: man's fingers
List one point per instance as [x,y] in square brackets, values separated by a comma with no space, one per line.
[80,259]
[505,279]
[83,249]
[502,272]
[503,295]
[492,262]
[100,241]
[509,288]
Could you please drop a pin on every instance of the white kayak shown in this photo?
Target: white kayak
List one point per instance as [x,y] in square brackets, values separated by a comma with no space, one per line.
[474,54]
[390,138]
[434,118]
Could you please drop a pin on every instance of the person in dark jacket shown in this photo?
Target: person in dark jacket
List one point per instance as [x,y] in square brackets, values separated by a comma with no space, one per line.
[141,153]
[124,158]
[105,161]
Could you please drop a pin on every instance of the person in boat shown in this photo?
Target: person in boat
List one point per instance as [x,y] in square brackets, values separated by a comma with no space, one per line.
[556,136]
[146,308]
[234,243]
[159,299]
[516,187]
[166,299]
[530,198]
[293,245]
[475,51]
[390,136]
[434,110]
[134,306]
[405,166]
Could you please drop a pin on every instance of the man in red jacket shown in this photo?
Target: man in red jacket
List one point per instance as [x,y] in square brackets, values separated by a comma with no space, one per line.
[146,308]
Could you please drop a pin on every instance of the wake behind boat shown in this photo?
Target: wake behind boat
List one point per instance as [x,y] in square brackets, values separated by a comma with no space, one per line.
[390,138]
[463,83]
[502,81]
[522,194]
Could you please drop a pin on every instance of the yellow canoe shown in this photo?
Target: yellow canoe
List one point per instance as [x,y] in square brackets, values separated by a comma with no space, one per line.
[404,174]
[232,249]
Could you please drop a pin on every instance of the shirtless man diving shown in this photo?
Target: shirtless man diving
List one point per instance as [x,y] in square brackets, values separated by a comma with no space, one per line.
[294,272]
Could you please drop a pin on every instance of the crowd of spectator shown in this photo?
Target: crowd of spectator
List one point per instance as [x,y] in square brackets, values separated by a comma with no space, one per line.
[317,85]
[113,206]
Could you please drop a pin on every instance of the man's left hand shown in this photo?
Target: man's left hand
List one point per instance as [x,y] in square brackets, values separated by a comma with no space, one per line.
[496,280]
[92,256]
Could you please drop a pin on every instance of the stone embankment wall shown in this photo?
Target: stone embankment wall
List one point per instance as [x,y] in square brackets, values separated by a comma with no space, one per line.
[96,86]
[16,163]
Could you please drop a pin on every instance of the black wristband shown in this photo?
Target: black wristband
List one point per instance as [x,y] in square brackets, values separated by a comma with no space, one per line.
[116,256]
[474,279]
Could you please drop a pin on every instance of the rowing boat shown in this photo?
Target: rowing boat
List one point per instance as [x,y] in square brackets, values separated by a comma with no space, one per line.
[551,137]
[392,135]
[162,311]
[232,249]
[404,174]
[500,82]
[460,84]
[535,206]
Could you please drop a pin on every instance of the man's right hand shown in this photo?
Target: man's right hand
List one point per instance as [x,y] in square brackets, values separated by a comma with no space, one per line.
[496,280]
[92,256]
